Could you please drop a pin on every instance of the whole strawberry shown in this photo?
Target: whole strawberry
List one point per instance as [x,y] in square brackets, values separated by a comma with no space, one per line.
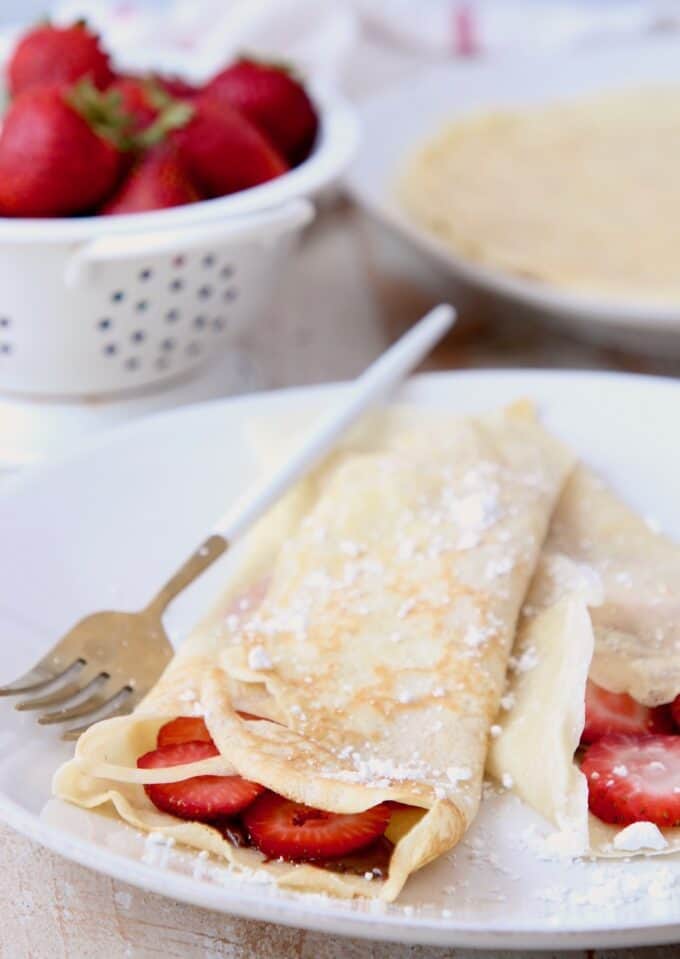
[223,151]
[50,55]
[157,182]
[136,98]
[175,86]
[52,161]
[271,98]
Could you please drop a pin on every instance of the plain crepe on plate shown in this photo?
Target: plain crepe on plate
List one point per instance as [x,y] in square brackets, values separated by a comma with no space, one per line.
[583,196]
[368,626]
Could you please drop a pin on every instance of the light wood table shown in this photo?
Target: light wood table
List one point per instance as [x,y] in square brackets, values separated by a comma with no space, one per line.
[348,295]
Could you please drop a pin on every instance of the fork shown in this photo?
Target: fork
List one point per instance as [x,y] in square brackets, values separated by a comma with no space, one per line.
[110,660]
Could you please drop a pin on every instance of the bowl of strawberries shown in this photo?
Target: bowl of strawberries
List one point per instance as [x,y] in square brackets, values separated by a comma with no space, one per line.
[144,219]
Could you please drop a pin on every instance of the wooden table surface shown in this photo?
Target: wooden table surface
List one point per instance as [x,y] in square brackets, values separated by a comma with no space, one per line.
[349,293]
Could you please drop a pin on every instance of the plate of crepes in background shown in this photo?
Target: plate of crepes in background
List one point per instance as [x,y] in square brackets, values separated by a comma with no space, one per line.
[433,695]
[550,182]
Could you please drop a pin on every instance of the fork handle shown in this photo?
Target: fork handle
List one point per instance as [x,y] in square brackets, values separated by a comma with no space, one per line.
[204,556]
[373,385]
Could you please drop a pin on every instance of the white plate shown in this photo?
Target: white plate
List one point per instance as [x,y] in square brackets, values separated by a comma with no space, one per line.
[104,527]
[393,123]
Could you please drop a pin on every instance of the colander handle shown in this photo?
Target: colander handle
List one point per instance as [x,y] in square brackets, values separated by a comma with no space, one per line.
[265,226]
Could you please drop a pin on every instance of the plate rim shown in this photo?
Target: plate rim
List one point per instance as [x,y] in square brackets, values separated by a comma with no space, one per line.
[298,909]
[89,443]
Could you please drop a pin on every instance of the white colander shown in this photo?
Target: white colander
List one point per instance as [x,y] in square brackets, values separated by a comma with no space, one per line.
[101,305]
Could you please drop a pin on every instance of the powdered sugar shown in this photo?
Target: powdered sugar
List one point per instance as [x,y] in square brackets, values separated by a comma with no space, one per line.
[527,660]
[258,658]
[640,835]
[458,774]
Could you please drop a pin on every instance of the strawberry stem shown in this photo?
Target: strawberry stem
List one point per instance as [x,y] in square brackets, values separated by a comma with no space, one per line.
[105,113]
[176,114]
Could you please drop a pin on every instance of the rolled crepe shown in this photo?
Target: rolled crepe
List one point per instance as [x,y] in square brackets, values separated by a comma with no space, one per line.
[369,621]
[603,605]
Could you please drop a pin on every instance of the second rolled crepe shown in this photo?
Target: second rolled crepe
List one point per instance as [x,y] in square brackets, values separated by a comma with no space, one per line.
[369,623]
[604,605]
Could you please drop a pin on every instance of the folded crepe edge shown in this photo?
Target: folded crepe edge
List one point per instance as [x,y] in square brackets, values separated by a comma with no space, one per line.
[541,731]
[84,782]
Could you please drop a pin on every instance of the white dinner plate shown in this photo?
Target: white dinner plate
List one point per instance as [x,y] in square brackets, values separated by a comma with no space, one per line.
[104,527]
[395,122]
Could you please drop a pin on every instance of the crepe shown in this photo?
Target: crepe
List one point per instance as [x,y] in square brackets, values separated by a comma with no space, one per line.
[603,604]
[369,620]
[582,195]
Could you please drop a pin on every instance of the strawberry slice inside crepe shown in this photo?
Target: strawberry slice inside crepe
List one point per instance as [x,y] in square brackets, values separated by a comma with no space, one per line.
[634,779]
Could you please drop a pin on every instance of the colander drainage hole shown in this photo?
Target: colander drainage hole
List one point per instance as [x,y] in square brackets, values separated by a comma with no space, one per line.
[5,322]
[205,292]
[230,294]
[141,305]
[208,260]
[145,274]
[138,336]
[218,324]
[178,261]
[172,316]
[5,349]
[176,286]
[199,322]
[104,324]
[168,344]
[110,349]
[227,271]
[117,296]
[132,363]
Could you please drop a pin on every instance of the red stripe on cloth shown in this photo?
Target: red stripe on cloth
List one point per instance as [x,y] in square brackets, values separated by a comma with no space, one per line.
[464,30]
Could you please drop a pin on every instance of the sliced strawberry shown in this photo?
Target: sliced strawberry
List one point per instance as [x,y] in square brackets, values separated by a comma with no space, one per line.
[675,711]
[619,713]
[634,779]
[252,716]
[284,829]
[184,729]
[202,797]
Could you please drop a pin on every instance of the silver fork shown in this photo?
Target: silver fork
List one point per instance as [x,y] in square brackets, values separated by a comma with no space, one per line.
[110,660]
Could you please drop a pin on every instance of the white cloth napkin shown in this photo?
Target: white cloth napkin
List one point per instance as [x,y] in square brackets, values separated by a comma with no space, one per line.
[358,45]
[473,27]
[196,37]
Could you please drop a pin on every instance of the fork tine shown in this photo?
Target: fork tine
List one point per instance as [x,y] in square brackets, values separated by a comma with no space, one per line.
[102,697]
[85,682]
[125,706]
[91,704]
[35,678]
